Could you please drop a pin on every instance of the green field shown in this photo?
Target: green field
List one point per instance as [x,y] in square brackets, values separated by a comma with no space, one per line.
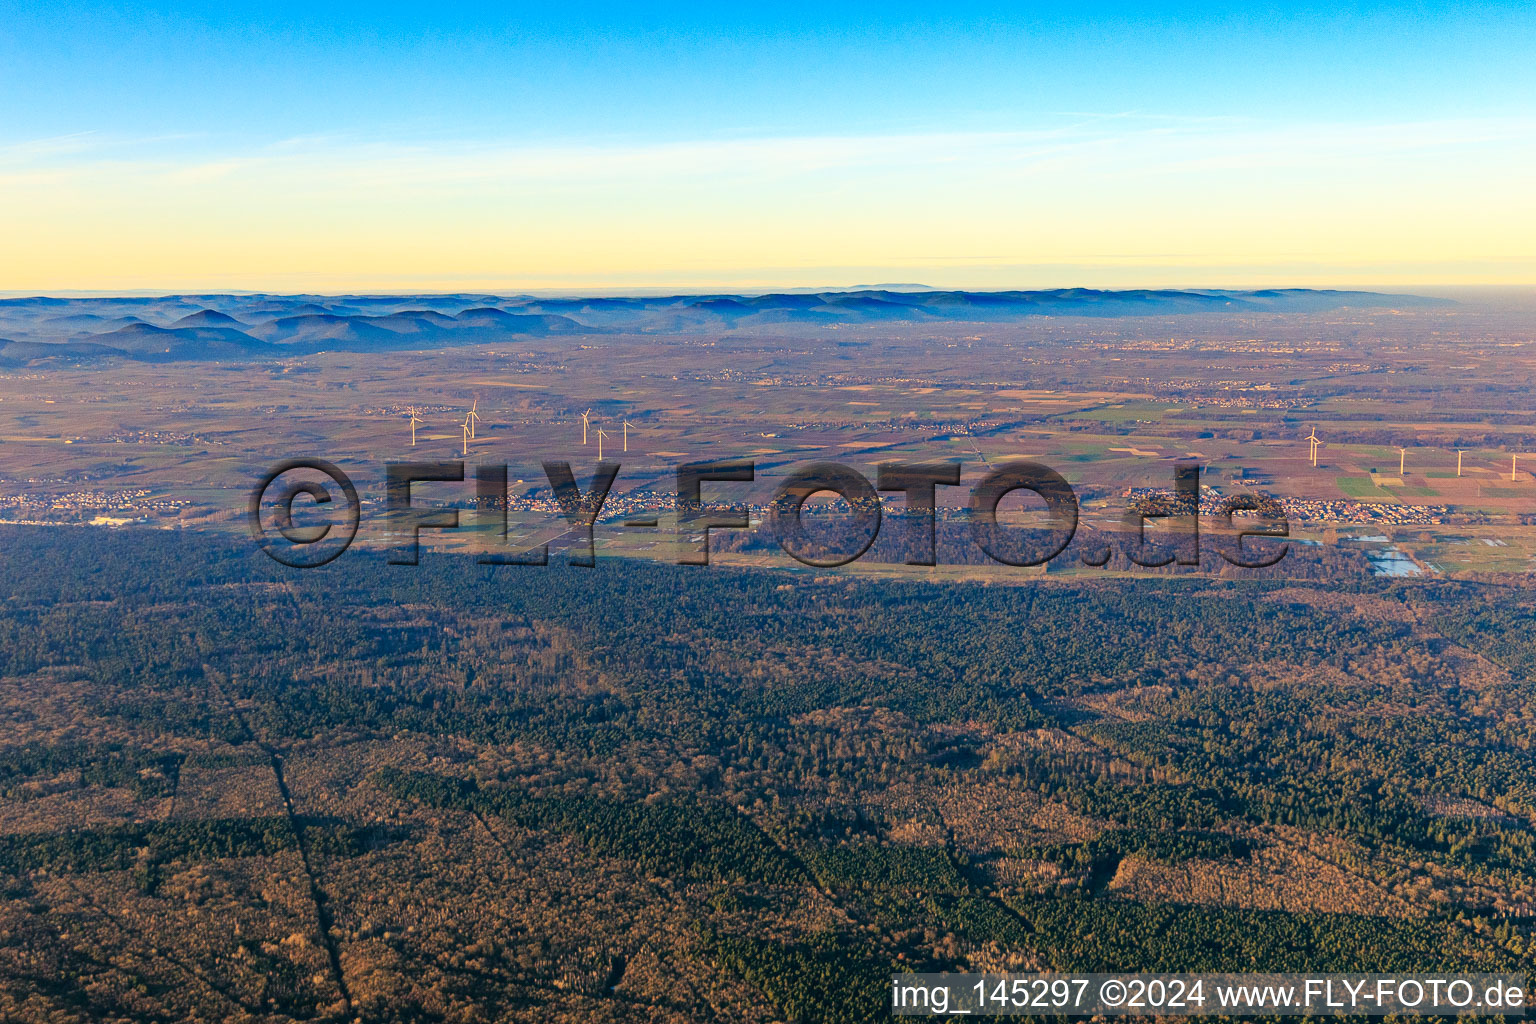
[1130,412]
[1360,487]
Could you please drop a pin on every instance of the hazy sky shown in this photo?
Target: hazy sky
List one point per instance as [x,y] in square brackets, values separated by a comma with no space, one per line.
[326,147]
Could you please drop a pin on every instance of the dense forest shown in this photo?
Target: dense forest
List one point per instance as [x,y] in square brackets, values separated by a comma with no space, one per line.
[652,792]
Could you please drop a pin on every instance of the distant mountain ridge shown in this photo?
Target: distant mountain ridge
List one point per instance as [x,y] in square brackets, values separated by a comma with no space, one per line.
[264,326]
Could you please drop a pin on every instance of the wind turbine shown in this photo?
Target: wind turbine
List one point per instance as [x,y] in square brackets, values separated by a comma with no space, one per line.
[601,433]
[1402,456]
[584,425]
[1315,443]
[626,434]
[1514,462]
[414,420]
[473,417]
[465,425]
[1459,452]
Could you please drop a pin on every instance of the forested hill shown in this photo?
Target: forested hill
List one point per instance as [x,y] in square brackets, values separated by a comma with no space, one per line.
[262,326]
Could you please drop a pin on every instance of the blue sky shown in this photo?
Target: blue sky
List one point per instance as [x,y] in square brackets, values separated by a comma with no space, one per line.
[225,102]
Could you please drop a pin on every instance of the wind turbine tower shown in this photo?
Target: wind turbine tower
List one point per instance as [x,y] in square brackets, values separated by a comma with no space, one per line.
[1315,443]
[584,417]
[1402,457]
[1459,452]
[626,434]
[601,433]
[465,425]
[473,418]
[415,419]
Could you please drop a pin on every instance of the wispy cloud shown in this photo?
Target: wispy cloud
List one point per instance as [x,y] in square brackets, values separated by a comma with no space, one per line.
[1146,189]
[1119,144]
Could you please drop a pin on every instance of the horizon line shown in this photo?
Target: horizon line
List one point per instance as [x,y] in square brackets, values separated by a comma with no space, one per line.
[616,291]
